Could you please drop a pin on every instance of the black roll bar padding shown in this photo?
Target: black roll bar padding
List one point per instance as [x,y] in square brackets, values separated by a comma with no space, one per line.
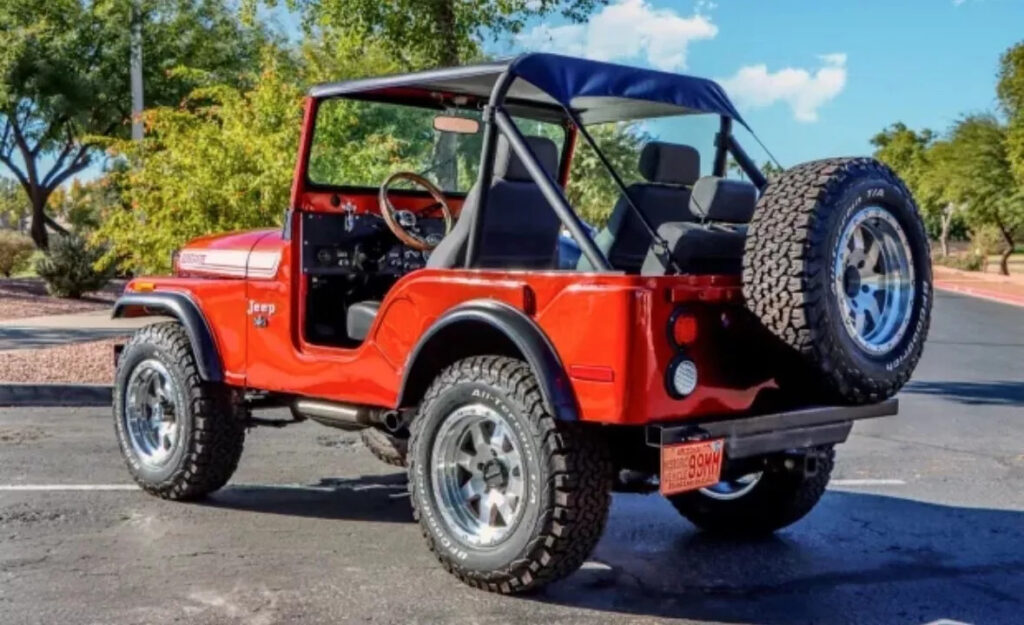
[721,147]
[550,189]
[659,242]
[490,143]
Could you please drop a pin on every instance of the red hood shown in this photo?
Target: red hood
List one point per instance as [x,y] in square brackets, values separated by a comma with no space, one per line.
[240,241]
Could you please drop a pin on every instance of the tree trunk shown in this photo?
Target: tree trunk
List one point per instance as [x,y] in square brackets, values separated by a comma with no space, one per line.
[446,162]
[38,227]
[947,222]
[1004,260]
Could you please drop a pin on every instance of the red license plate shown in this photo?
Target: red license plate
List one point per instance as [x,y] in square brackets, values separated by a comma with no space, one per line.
[689,466]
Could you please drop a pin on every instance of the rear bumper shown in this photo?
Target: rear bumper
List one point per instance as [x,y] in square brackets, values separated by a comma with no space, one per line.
[765,434]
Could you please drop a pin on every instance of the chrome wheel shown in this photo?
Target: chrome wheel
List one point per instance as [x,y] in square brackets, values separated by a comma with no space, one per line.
[479,475]
[152,413]
[733,489]
[874,280]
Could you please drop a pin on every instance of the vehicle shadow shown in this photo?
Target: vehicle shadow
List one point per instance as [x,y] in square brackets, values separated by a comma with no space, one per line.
[380,498]
[997,393]
[859,558]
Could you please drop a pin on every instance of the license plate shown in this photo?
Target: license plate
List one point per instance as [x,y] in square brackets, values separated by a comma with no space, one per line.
[689,466]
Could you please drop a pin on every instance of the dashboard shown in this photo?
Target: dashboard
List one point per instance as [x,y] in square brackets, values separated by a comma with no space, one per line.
[352,244]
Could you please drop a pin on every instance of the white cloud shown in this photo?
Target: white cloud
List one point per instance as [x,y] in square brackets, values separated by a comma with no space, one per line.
[626,29]
[754,86]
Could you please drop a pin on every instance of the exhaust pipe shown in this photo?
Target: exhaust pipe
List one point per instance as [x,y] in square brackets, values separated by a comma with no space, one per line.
[342,416]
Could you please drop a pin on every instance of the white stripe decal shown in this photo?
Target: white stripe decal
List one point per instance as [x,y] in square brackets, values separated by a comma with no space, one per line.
[234,263]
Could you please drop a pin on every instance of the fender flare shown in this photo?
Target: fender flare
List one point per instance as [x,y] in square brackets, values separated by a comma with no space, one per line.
[184,309]
[523,333]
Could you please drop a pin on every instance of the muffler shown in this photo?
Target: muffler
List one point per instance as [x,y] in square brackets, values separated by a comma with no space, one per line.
[338,415]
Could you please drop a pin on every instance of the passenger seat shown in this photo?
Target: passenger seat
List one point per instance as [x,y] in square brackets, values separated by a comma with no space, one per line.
[714,245]
[669,170]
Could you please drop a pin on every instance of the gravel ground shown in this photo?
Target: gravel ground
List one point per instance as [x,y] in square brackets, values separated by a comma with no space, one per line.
[27,297]
[81,363]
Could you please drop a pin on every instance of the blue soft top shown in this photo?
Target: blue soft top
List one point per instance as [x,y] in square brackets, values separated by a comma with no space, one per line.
[598,89]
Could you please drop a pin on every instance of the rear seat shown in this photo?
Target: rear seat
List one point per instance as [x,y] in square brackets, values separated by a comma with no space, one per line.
[714,245]
[669,169]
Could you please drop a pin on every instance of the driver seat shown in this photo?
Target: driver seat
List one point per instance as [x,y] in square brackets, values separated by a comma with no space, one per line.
[520,229]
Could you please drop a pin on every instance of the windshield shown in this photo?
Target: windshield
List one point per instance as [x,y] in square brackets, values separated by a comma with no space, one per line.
[359,143]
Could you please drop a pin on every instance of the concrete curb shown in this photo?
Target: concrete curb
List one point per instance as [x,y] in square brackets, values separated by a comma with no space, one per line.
[55,395]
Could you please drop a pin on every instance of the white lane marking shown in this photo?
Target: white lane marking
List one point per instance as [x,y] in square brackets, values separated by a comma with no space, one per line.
[64,487]
[868,482]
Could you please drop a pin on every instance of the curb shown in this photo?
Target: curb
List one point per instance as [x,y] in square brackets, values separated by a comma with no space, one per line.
[981,293]
[64,395]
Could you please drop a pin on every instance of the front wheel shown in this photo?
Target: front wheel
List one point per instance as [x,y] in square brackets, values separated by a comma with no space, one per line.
[508,498]
[181,437]
[760,502]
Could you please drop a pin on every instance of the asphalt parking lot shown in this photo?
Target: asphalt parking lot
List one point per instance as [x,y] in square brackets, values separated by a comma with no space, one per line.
[924,521]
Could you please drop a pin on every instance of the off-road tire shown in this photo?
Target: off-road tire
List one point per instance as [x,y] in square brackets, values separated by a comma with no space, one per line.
[568,498]
[213,426]
[387,448]
[788,282]
[782,497]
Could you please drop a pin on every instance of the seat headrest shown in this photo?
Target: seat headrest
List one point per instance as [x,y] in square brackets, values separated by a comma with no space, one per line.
[669,163]
[722,199]
[508,166]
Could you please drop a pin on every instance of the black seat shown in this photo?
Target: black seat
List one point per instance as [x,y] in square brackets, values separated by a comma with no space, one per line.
[520,229]
[669,169]
[359,318]
[714,245]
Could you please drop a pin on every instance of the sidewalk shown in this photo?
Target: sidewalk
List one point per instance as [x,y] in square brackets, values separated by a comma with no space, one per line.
[1002,289]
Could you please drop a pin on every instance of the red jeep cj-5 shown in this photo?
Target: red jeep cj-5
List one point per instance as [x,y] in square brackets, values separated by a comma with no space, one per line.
[435,288]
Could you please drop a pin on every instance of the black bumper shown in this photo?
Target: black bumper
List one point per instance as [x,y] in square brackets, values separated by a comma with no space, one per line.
[765,434]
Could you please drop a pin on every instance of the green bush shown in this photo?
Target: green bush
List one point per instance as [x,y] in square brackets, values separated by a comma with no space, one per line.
[15,250]
[965,262]
[69,268]
[987,240]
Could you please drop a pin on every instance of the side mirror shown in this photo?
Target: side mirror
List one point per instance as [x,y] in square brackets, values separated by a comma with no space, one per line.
[456,125]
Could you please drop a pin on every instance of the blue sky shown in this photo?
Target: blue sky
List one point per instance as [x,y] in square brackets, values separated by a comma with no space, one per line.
[814,78]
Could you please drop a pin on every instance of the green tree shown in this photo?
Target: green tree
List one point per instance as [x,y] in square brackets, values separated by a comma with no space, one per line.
[923,163]
[14,207]
[1010,90]
[64,78]
[591,190]
[222,161]
[428,33]
[980,178]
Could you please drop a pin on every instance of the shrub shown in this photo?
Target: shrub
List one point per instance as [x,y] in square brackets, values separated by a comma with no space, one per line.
[967,262]
[15,250]
[987,240]
[69,268]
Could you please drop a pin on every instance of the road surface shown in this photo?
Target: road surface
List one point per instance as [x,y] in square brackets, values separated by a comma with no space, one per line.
[924,521]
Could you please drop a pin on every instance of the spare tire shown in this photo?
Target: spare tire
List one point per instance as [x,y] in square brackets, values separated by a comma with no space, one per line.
[837,266]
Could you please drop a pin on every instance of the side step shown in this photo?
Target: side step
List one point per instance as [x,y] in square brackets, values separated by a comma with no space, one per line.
[765,434]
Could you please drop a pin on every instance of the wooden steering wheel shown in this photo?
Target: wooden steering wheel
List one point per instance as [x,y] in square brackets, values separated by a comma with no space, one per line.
[387,211]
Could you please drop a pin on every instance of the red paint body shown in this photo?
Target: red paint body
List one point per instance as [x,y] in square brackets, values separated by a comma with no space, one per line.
[611,331]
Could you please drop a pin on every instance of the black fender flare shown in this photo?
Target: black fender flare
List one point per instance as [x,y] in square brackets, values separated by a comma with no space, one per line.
[186,311]
[522,332]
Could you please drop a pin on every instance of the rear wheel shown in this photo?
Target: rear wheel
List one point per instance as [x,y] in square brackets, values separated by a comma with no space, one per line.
[181,437]
[507,497]
[759,502]
[837,267]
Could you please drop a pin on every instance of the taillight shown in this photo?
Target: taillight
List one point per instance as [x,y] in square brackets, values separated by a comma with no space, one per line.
[681,375]
[682,328]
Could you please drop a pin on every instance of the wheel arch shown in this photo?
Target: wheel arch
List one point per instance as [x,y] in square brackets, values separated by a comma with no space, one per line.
[488,327]
[184,309]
